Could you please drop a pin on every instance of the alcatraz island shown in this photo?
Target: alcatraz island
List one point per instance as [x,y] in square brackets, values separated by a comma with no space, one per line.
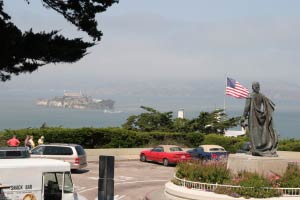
[75,100]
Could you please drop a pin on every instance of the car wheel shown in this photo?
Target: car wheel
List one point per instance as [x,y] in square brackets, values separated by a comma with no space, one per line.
[143,158]
[166,162]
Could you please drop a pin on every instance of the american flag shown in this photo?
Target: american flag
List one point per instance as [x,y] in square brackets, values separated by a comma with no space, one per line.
[235,89]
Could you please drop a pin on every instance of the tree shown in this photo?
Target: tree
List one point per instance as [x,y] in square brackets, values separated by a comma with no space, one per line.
[213,122]
[26,52]
[207,122]
[152,120]
[181,125]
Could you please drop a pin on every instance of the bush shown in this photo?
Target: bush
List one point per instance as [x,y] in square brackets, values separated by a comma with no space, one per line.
[104,137]
[216,172]
[289,145]
[194,139]
[203,171]
[122,138]
[252,186]
[291,177]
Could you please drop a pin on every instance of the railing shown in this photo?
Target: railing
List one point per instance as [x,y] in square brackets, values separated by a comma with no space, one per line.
[295,192]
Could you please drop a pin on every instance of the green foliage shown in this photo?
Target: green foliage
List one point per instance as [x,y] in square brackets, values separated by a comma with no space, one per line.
[291,177]
[194,139]
[181,125]
[248,184]
[289,145]
[152,120]
[207,122]
[213,172]
[252,185]
[213,122]
[130,123]
[203,171]
[102,137]
[120,137]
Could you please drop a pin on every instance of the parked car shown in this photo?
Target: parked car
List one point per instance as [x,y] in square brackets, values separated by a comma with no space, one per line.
[72,153]
[245,148]
[14,152]
[165,154]
[208,152]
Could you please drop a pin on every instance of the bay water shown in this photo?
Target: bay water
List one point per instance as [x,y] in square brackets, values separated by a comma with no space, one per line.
[16,115]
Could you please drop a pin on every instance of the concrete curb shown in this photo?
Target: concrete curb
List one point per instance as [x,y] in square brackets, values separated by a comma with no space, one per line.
[175,192]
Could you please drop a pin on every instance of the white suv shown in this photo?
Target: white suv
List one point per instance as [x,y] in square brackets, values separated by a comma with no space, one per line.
[72,153]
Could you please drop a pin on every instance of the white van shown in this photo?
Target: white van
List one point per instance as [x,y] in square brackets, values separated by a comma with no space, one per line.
[36,179]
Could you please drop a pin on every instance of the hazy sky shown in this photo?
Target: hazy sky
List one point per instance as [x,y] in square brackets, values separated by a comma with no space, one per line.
[150,40]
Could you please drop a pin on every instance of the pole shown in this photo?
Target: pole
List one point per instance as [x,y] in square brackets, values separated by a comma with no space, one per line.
[224,106]
[106,178]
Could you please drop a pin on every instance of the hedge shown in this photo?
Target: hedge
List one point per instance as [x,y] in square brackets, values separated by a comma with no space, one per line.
[122,138]
[104,137]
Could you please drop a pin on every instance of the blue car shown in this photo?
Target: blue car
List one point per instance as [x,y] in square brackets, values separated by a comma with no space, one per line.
[208,152]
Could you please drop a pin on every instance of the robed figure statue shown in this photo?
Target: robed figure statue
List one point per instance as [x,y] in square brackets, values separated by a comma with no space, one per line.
[258,111]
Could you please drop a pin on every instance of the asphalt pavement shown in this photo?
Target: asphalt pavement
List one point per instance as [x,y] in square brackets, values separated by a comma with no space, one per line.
[152,195]
[156,195]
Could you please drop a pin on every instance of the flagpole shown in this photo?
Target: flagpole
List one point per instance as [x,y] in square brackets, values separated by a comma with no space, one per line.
[224,106]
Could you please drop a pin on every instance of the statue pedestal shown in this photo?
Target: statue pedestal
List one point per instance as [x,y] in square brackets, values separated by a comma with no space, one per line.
[262,165]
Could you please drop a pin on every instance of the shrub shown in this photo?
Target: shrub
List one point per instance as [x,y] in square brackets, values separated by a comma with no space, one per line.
[291,177]
[252,186]
[203,171]
[103,137]
[289,145]
[194,139]
[248,184]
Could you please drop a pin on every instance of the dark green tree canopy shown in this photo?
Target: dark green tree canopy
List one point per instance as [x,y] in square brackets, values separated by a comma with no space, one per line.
[25,52]
[207,122]
[152,120]
[213,122]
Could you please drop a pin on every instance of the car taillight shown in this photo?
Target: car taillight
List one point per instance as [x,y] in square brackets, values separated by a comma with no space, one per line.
[214,156]
[77,160]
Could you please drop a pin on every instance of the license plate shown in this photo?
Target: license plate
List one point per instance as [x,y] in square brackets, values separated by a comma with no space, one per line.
[182,156]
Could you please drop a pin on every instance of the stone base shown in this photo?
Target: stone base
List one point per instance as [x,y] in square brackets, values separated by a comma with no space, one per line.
[262,165]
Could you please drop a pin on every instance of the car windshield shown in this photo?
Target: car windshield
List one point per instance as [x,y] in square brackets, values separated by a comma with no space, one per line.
[175,149]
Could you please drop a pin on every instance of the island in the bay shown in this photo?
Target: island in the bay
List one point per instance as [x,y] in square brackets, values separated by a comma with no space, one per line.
[77,100]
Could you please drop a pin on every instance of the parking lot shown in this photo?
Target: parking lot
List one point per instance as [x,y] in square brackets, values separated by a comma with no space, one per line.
[133,179]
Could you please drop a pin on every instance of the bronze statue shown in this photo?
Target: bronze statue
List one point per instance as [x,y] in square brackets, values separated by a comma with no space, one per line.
[258,111]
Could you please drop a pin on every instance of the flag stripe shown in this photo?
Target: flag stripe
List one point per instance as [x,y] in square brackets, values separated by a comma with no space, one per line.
[235,89]
[236,92]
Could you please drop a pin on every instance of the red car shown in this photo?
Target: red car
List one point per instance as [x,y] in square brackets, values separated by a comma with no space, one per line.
[165,154]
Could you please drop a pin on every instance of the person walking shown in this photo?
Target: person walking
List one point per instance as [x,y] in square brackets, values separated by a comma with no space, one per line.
[13,142]
[41,140]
